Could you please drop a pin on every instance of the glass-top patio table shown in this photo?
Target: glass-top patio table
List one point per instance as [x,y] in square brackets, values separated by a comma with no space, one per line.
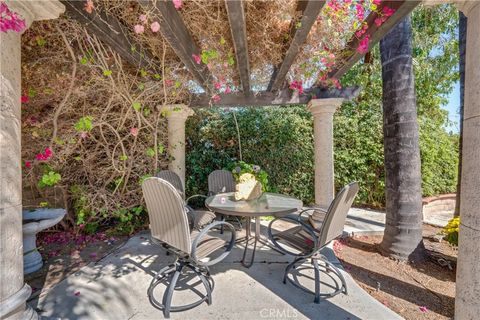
[268,204]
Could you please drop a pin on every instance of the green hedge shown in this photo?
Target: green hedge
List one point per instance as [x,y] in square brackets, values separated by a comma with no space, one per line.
[280,140]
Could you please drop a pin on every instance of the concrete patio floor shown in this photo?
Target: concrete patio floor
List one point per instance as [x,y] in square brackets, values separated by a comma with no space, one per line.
[115,288]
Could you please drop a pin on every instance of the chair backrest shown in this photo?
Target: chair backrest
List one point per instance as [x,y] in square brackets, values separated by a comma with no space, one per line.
[168,221]
[220,181]
[334,221]
[174,179]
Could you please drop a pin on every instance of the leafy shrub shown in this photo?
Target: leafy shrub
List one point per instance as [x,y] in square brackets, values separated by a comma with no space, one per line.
[451,231]
[280,140]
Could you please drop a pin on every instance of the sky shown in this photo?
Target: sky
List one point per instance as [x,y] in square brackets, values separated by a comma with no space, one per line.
[453,107]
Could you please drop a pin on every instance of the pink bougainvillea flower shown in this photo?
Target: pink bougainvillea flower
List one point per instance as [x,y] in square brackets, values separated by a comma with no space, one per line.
[336,82]
[197,58]
[228,90]
[363,46]
[360,12]
[89,7]
[28,164]
[138,28]
[297,85]
[24,99]
[377,2]
[177,4]
[216,98]
[134,131]
[10,20]
[143,18]
[423,309]
[387,11]
[47,154]
[155,26]
[169,83]
[217,85]
[378,22]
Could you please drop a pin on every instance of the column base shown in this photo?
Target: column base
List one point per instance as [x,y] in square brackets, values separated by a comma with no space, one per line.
[12,304]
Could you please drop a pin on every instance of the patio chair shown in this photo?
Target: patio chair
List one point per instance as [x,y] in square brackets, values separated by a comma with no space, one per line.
[220,181]
[308,241]
[192,248]
[196,218]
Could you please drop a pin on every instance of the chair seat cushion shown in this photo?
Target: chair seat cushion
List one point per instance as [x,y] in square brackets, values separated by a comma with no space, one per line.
[297,238]
[207,244]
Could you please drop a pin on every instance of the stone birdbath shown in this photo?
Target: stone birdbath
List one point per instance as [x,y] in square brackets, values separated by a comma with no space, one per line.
[35,221]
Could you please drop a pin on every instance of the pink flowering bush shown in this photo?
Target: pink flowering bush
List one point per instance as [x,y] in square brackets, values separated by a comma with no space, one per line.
[10,20]
[341,22]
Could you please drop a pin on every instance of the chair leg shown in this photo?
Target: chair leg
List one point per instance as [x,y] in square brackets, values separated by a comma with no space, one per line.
[317,281]
[167,296]
[222,217]
[289,267]
[338,273]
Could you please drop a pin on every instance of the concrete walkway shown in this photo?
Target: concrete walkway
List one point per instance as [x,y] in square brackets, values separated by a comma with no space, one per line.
[115,288]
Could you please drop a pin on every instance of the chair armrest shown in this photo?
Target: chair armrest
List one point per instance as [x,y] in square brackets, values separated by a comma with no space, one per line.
[312,209]
[203,233]
[195,196]
[304,226]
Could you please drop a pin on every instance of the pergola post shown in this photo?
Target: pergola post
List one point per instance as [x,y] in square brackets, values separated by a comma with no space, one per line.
[323,110]
[467,305]
[13,291]
[177,115]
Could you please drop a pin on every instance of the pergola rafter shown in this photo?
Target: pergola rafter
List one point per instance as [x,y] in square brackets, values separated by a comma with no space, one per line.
[280,97]
[299,29]
[175,31]
[236,18]
[402,9]
[111,31]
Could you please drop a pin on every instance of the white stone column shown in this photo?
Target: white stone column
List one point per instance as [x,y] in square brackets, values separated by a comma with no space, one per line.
[323,110]
[177,115]
[467,299]
[13,291]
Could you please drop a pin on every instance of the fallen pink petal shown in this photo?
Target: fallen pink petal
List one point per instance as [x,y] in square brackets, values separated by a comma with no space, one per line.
[423,309]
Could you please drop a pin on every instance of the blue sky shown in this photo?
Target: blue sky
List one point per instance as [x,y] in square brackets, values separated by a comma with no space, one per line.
[453,107]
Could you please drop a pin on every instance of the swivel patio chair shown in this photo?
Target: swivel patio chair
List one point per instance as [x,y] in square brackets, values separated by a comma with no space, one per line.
[220,181]
[196,218]
[308,241]
[193,249]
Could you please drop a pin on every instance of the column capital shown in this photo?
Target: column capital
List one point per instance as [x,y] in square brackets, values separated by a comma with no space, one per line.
[330,105]
[36,10]
[177,111]
[466,6]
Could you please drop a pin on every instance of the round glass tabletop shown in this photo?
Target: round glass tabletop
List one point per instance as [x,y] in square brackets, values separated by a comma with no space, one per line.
[268,204]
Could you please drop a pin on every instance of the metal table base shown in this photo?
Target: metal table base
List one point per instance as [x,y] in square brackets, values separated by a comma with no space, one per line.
[255,238]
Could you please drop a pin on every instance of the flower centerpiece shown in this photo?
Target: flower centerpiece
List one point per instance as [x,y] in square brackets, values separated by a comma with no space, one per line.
[251,180]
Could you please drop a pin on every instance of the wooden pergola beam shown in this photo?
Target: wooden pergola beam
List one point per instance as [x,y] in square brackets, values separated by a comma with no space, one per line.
[281,97]
[299,30]
[236,18]
[176,33]
[110,31]
[402,9]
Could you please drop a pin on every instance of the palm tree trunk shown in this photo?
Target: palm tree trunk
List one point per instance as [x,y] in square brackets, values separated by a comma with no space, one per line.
[403,231]
[462,47]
